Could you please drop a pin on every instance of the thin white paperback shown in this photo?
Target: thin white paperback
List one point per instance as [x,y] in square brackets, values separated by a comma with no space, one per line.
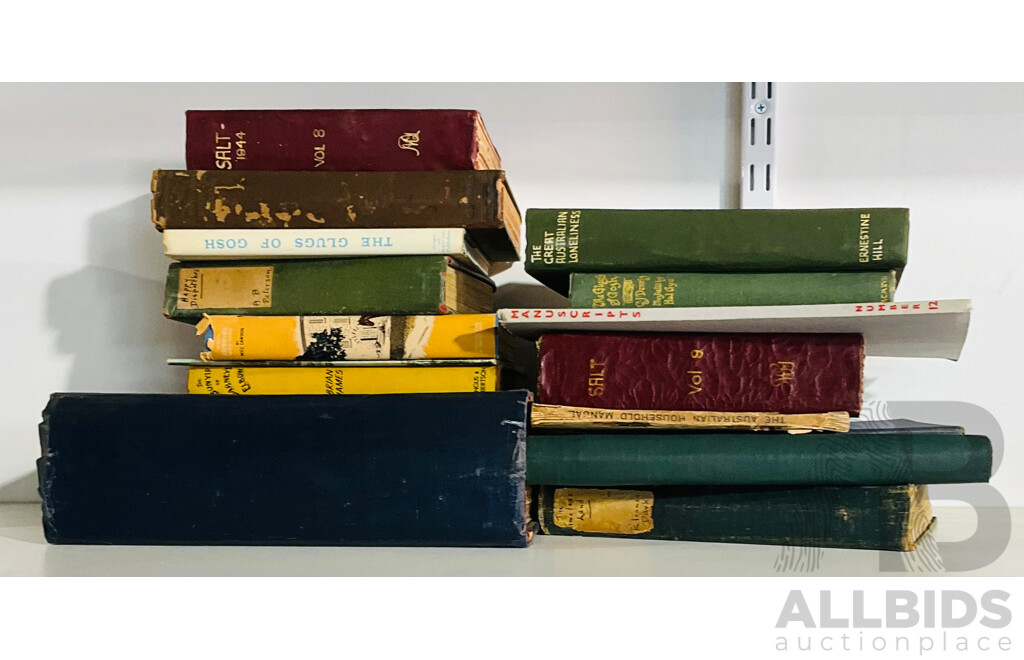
[928,328]
[203,244]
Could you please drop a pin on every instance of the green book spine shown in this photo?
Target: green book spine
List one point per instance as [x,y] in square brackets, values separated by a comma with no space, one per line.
[866,517]
[757,459]
[563,241]
[376,285]
[638,290]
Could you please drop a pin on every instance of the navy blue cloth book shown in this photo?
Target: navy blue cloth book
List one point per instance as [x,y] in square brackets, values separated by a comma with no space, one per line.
[411,469]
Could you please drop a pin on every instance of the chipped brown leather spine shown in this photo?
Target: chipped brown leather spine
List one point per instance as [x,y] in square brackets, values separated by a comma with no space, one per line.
[783,373]
[478,200]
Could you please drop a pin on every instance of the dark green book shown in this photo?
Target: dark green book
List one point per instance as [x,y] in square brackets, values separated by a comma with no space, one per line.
[901,425]
[866,517]
[298,287]
[638,290]
[757,459]
[564,241]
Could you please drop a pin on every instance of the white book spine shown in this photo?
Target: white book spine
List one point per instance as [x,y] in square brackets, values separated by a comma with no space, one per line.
[922,328]
[203,244]
[282,243]
[752,312]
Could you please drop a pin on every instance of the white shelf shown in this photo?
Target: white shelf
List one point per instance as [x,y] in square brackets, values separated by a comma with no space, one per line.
[24,552]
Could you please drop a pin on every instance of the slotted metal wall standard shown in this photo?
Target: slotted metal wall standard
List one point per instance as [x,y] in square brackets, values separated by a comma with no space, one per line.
[758,145]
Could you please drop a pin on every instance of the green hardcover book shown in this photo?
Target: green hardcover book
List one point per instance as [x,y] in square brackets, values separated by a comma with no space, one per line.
[866,517]
[757,459]
[638,290]
[374,285]
[564,241]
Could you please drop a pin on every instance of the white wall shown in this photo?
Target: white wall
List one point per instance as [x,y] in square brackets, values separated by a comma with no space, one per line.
[84,268]
[954,155]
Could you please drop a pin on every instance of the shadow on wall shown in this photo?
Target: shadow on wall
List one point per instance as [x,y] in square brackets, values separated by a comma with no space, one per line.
[516,294]
[107,316]
[730,193]
[22,489]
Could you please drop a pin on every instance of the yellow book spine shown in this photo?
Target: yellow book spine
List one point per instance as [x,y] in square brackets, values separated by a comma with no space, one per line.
[337,338]
[341,380]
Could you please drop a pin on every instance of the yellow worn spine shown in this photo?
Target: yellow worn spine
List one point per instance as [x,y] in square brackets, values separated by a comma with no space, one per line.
[341,380]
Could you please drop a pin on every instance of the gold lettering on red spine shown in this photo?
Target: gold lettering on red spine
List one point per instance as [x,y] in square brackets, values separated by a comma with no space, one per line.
[227,148]
[595,378]
[410,142]
[782,373]
[696,378]
[319,150]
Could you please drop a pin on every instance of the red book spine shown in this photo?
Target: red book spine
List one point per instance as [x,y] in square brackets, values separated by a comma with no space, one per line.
[783,373]
[332,140]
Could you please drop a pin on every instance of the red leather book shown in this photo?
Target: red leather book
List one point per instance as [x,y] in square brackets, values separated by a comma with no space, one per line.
[338,140]
[783,373]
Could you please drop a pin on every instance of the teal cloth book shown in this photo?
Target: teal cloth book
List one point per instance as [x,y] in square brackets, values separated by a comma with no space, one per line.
[757,459]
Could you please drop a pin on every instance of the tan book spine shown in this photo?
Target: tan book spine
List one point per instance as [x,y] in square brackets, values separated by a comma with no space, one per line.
[575,417]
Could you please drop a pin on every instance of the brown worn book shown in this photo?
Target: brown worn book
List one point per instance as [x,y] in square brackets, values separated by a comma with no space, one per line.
[477,200]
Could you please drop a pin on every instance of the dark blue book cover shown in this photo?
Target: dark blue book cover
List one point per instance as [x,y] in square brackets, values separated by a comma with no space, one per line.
[412,469]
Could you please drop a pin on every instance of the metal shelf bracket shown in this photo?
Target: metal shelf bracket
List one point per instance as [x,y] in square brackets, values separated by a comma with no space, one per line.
[757,152]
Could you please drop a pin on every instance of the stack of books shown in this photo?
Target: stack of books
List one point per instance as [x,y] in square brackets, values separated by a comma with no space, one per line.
[322,250]
[701,386]
[670,408]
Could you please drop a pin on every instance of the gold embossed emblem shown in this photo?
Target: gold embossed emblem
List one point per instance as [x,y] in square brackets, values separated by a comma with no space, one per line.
[604,510]
[410,141]
[782,373]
